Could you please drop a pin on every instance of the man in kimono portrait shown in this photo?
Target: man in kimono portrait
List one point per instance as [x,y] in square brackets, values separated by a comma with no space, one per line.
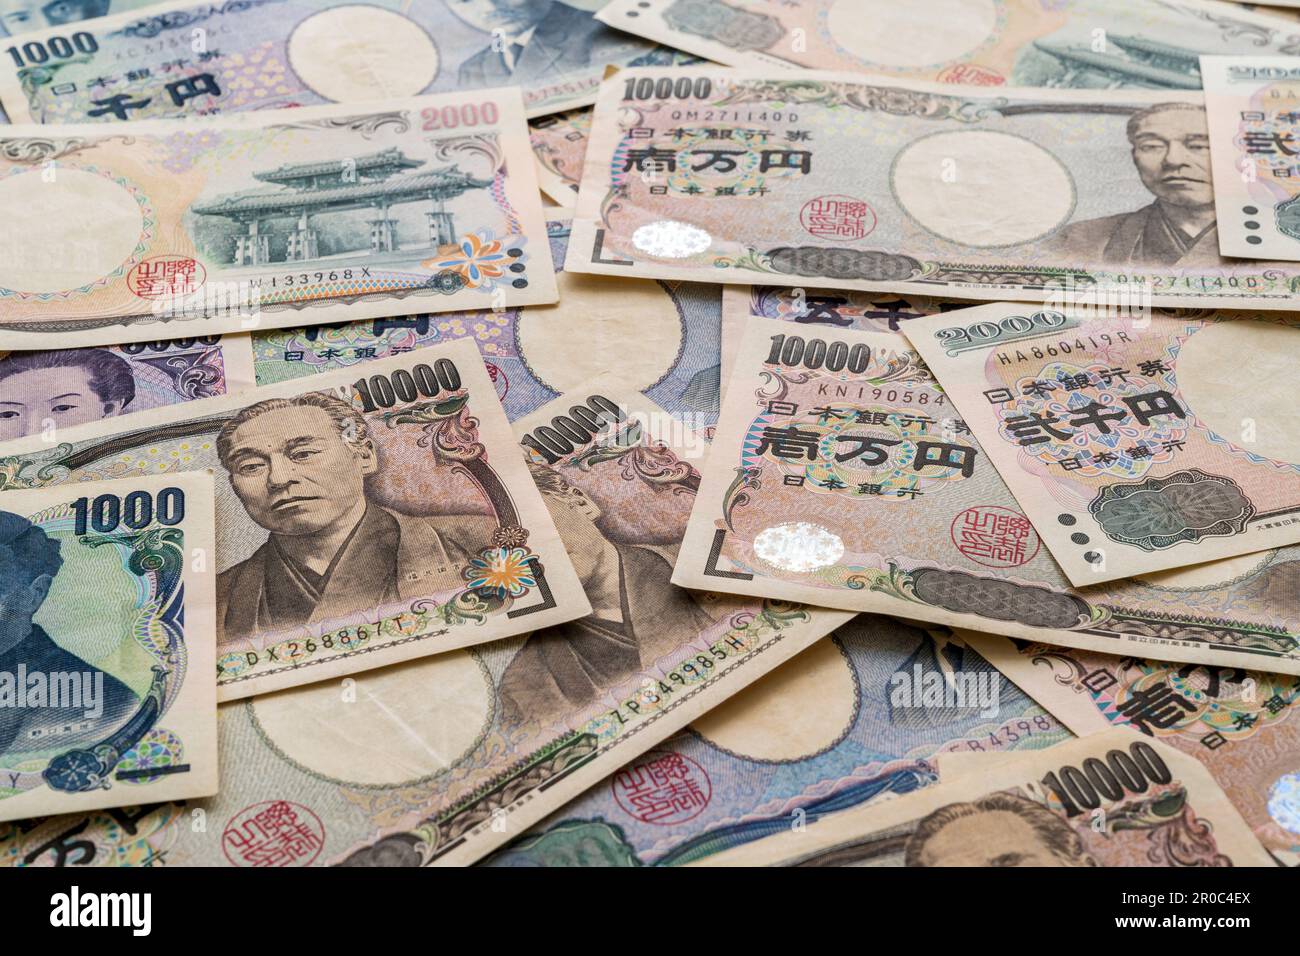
[638,615]
[299,467]
[1171,150]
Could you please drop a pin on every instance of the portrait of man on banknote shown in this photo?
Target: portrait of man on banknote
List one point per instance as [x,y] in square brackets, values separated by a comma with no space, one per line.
[1001,829]
[300,466]
[62,387]
[638,614]
[31,659]
[531,39]
[1171,150]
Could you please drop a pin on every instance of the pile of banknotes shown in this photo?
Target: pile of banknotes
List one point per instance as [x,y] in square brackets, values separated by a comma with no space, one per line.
[532,433]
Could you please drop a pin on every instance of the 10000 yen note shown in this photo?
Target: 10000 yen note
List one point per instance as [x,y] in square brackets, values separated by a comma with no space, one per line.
[851,182]
[59,388]
[106,690]
[842,475]
[863,715]
[280,218]
[444,759]
[560,144]
[1084,43]
[277,53]
[1254,111]
[839,308]
[1133,443]
[1241,724]
[1151,805]
[366,516]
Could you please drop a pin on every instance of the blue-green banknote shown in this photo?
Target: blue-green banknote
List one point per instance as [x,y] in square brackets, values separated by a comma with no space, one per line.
[189,59]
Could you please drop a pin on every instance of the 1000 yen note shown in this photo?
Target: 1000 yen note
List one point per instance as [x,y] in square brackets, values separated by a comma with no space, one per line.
[1144,804]
[1133,443]
[1253,104]
[1243,725]
[863,715]
[59,388]
[267,55]
[842,475]
[106,690]
[443,759]
[367,516]
[852,182]
[1083,44]
[291,217]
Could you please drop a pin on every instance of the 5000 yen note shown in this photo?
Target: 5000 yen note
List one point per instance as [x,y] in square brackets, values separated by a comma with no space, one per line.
[1083,44]
[189,59]
[853,182]
[106,690]
[280,218]
[60,388]
[1254,110]
[1134,443]
[842,475]
[1241,724]
[1152,806]
[367,516]
[443,759]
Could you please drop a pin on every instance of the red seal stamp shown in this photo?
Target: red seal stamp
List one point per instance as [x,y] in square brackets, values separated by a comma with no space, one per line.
[274,833]
[662,787]
[995,537]
[837,217]
[969,74]
[166,277]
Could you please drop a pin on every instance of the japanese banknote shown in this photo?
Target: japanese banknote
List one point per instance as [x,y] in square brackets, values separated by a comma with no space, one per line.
[107,645]
[662,339]
[190,59]
[842,475]
[444,759]
[560,144]
[860,716]
[59,388]
[840,181]
[1240,723]
[271,219]
[366,517]
[1135,443]
[1086,44]
[23,16]
[1253,105]
[1109,799]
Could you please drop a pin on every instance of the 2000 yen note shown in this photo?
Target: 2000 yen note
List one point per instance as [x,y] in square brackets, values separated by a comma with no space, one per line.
[283,218]
[1133,443]
[842,475]
[847,181]
[1254,110]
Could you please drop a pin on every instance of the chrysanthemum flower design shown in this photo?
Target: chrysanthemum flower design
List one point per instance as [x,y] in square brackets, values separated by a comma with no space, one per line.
[503,570]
